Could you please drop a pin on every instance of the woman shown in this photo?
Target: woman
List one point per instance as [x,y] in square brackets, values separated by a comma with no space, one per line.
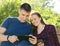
[42,31]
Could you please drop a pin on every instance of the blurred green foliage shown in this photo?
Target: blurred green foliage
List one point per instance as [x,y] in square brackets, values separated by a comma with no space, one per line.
[10,8]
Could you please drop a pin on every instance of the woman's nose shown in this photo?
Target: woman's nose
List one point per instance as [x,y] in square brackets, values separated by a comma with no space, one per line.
[33,21]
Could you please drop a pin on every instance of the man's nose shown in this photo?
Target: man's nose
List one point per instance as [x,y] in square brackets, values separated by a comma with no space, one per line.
[24,17]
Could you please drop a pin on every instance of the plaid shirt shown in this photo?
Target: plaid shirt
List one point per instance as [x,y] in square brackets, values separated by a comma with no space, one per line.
[49,36]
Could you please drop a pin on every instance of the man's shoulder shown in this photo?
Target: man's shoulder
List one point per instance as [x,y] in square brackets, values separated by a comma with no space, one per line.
[28,23]
[10,18]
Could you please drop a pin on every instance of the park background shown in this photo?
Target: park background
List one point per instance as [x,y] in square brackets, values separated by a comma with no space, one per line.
[9,8]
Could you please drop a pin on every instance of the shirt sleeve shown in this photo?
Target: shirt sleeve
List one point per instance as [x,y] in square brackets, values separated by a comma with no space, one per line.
[6,23]
[54,35]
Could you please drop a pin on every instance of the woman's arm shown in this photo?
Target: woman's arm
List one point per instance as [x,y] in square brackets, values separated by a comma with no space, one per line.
[54,35]
[33,40]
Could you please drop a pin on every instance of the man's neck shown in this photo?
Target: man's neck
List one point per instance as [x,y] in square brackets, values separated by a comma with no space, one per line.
[20,20]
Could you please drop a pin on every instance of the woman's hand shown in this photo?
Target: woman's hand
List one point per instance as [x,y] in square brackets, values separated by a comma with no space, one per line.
[13,38]
[40,44]
[2,30]
[33,40]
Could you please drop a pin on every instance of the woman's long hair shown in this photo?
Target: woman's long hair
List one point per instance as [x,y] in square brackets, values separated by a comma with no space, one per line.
[34,27]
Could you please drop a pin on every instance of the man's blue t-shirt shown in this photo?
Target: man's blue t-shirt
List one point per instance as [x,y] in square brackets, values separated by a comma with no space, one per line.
[15,27]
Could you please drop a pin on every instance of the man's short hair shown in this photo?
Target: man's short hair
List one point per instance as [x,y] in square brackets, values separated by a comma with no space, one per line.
[26,7]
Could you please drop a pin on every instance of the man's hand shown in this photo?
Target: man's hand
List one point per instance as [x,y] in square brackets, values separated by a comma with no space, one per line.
[2,30]
[13,38]
[3,37]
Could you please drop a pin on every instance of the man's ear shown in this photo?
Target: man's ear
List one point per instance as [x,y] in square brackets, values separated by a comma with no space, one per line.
[18,10]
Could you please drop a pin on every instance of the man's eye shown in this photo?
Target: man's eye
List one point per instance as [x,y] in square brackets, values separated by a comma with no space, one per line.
[23,14]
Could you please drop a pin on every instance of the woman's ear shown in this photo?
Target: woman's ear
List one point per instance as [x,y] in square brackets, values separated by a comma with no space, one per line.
[40,19]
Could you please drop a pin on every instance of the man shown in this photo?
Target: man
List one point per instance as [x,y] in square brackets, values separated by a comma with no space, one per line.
[13,27]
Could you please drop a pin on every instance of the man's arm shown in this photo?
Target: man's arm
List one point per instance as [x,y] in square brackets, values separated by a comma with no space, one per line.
[2,30]
[3,37]
[11,39]
[5,25]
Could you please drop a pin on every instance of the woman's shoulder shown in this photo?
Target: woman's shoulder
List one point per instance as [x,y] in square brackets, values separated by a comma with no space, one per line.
[50,26]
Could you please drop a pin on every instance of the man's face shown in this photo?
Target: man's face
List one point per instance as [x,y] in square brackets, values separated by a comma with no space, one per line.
[23,15]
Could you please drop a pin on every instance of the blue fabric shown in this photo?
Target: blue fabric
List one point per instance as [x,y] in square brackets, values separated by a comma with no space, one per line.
[24,43]
[15,27]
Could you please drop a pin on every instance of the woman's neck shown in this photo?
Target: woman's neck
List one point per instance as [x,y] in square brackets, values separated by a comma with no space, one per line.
[40,28]
[41,25]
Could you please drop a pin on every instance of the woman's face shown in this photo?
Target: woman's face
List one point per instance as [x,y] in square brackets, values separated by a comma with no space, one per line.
[35,20]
